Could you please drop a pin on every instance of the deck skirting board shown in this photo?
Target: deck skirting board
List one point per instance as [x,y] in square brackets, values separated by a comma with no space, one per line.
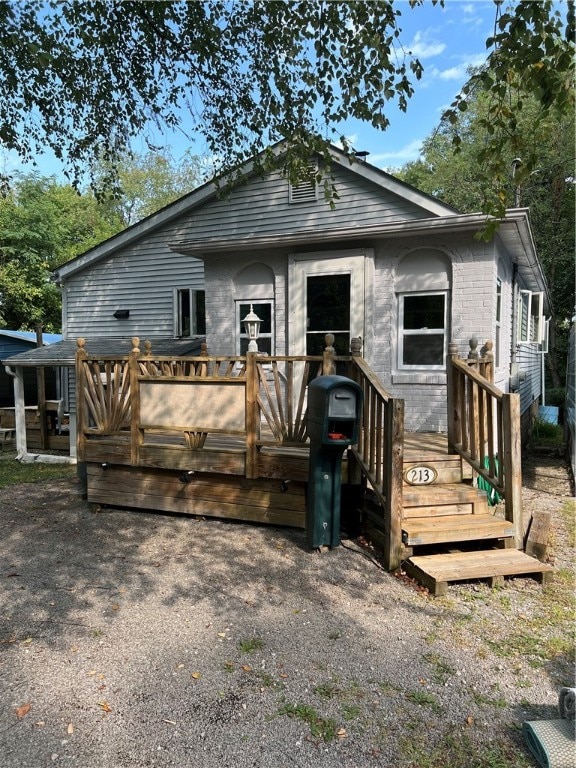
[261,501]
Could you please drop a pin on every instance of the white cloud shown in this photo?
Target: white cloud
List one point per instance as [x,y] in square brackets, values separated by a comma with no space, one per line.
[410,151]
[424,47]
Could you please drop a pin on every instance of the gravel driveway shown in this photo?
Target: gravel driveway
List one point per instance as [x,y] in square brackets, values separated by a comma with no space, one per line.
[129,640]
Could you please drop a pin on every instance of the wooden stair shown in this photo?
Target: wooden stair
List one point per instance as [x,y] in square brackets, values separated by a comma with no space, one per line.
[449,532]
[435,572]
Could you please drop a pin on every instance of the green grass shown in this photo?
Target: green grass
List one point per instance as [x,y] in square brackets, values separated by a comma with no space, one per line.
[13,472]
[251,644]
[458,751]
[320,727]
[544,433]
[568,514]
[424,699]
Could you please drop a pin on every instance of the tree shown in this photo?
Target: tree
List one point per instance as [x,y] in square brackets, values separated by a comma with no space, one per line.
[42,224]
[148,182]
[549,192]
[531,65]
[84,78]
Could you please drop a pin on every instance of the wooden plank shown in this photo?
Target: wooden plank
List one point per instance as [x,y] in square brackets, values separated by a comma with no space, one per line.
[251,415]
[450,493]
[204,460]
[513,463]
[194,402]
[437,511]
[437,571]
[447,470]
[537,541]
[164,491]
[394,452]
[435,530]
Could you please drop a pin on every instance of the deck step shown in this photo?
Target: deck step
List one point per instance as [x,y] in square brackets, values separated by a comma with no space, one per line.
[435,572]
[448,469]
[445,499]
[419,531]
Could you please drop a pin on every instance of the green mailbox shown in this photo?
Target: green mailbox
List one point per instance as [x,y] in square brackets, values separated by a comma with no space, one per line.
[333,419]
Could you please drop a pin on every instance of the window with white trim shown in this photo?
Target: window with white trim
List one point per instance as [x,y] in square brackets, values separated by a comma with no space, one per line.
[265,311]
[189,313]
[422,324]
[498,319]
[530,317]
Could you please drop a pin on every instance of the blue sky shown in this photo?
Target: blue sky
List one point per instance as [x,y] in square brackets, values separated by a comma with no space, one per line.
[446,40]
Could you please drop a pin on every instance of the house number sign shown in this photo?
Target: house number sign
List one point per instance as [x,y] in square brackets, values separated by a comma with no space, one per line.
[420,474]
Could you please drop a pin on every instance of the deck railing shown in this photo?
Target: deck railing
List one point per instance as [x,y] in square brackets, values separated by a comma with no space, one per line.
[484,427]
[261,398]
[379,455]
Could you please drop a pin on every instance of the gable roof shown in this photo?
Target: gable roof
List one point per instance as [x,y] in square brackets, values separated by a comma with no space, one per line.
[211,190]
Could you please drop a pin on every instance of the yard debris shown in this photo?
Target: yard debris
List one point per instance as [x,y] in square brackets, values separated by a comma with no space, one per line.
[23,710]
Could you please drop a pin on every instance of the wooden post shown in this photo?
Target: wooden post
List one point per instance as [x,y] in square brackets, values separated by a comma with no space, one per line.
[328,364]
[512,460]
[136,437]
[473,352]
[537,539]
[453,404]
[252,416]
[41,387]
[81,415]
[394,452]
[488,356]
[355,351]
[20,410]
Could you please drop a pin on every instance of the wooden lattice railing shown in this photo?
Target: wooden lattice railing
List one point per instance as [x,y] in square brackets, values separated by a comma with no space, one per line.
[484,427]
[260,397]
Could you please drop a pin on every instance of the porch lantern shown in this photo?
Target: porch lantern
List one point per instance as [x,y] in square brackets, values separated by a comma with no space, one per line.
[252,325]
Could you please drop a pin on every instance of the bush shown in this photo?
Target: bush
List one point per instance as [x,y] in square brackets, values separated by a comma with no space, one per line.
[556,396]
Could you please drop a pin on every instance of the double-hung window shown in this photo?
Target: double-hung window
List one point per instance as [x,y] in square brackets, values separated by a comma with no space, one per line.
[189,313]
[264,309]
[530,317]
[422,330]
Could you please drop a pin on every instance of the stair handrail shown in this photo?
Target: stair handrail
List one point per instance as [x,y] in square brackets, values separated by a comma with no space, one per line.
[379,454]
[484,429]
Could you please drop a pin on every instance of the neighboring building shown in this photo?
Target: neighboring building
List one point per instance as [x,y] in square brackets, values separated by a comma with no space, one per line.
[13,343]
[396,267]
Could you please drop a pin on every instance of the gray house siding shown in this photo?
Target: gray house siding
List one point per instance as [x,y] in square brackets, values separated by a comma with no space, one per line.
[140,278]
[262,207]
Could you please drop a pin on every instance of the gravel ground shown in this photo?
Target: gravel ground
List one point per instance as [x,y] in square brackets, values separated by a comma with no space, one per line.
[131,639]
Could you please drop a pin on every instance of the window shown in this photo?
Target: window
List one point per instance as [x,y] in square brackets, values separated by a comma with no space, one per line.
[422,330]
[264,310]
[189,313]
[498,319]
[530,317]
[307,189]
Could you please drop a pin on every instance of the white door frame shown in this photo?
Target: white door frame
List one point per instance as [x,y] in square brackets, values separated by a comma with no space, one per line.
[358,263]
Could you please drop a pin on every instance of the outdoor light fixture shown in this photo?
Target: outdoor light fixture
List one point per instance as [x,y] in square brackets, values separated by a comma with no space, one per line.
[252,325]
[121,314]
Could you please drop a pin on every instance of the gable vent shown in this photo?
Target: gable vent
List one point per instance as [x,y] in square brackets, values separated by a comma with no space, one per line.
[307,190]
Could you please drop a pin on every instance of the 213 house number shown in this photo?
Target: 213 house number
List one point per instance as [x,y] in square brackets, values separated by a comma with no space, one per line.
[420,475]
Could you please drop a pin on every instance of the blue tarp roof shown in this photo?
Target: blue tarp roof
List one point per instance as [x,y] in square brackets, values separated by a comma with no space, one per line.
[47,338]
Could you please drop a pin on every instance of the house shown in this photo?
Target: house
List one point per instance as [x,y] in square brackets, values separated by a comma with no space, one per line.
[404,279]
[397,268]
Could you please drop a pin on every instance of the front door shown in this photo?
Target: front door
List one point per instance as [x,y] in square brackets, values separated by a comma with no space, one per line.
[326,295]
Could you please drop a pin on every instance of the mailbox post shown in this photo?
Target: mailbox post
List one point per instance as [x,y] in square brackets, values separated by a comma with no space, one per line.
[334,406]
